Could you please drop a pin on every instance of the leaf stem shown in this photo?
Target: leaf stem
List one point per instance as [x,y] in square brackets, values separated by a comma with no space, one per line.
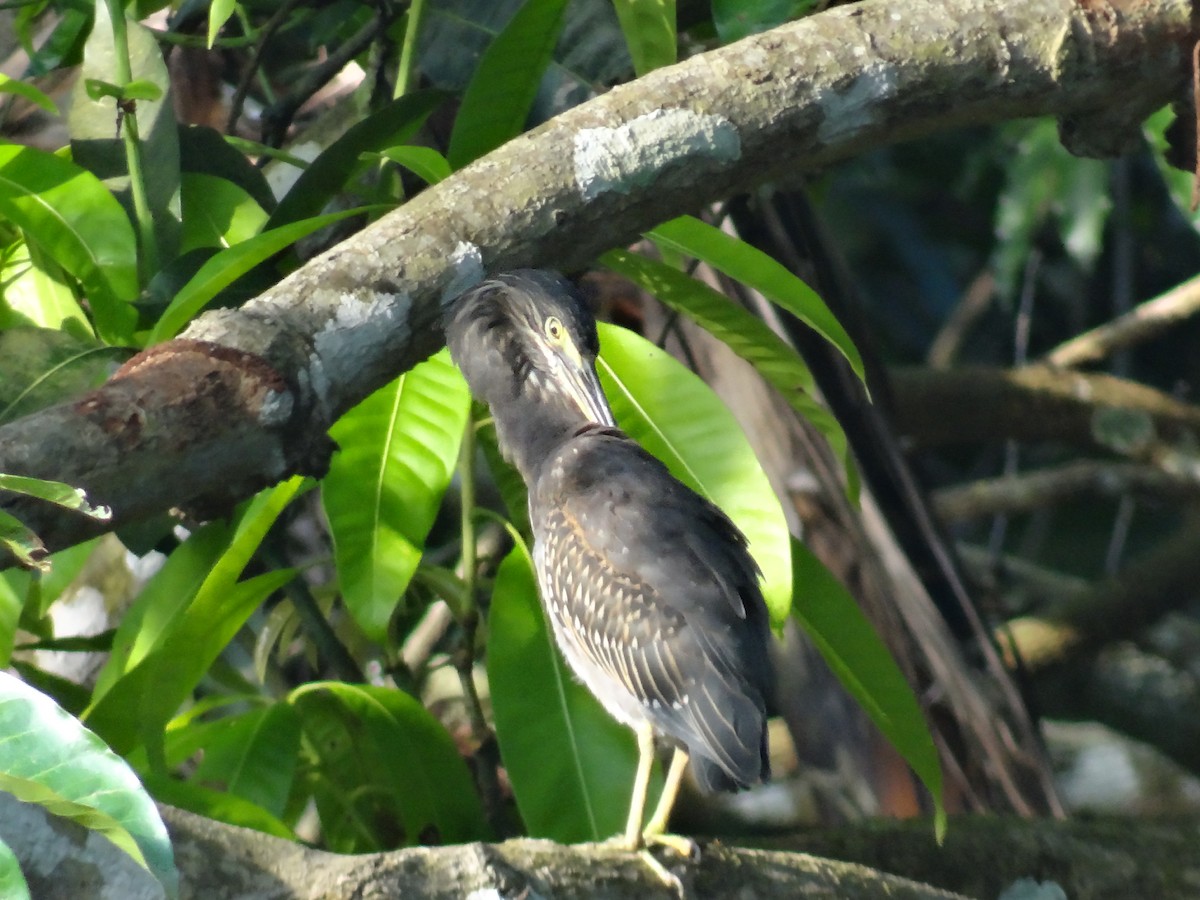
[407,67]
[148,260]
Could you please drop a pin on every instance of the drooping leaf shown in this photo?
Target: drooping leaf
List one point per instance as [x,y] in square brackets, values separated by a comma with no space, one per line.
[227,266]
[383,490]
[47,757]
[748,336]
[219,12]
[649,27]
[329,172]
[497,101]
[386,773]
[55,492]
[757,270]
[70,215]
[671,412]
[570,763]
[862,663]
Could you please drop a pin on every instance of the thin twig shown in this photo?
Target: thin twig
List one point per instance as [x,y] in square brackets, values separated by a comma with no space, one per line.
[243,89]
[1143,322]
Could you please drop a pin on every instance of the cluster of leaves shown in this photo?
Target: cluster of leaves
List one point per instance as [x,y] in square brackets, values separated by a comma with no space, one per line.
[119,240]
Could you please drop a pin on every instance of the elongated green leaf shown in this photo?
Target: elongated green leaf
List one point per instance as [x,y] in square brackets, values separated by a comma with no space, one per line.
[38,291]
[139,703]
[28,91]
[649,28]
[747,336]
[425,162]
[383,490]
[47,757]
[252,755]
[861,661]
[11,605]
[329,172]
[12,881]
[387,772]
[216,805]
[497,101]
[757,270]
[218,14]
[204,151]
[672,413]
[217,213]
[54,492]
[230,264]
[570,763]
[70,215]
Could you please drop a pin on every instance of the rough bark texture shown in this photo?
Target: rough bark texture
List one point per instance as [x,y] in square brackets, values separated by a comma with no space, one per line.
[788,101]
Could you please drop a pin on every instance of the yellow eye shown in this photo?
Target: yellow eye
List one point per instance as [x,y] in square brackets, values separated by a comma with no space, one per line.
[554,329]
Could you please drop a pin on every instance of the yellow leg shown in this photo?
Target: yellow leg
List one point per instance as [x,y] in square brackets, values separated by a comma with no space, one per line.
[655,831]
[641,784]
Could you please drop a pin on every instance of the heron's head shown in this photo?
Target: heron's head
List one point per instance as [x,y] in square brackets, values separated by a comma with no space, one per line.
[527,344]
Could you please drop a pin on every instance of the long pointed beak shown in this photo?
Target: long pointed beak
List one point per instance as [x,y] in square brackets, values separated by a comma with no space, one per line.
[584,388]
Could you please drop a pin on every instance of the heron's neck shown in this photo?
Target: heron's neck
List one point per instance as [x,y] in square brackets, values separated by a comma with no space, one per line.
[529,432]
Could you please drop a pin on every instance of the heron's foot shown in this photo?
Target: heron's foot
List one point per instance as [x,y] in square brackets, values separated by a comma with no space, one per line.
[684,846]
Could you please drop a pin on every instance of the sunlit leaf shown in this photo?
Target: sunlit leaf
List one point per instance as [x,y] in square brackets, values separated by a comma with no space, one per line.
[218,805]
[38,291]
[424,162]
[70,215]
[387,774]
[55,492]
[862,663]
[217,213]
[570,763]
[28,91]
[497,101]
[671,412]
[384,488]
[747,336]
[757,270]
[48,758]
[12,881]
[219,12]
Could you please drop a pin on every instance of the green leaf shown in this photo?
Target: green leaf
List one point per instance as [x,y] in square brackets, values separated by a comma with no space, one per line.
[252,755]
[745,334]
[384,488]
[217,213]
[498,99]
[37,291]
[138,89]
[12,881]
[161,673]
[329,172]
[570,763]
[864,666]
[28,91]
[227,266]
[12,604]
[204,151]
[757,270]
[671,412]
[215,805]
[70,215]
[649,28]
[219,12]
[47,757]
[424,162]
[55,492]
[386,773]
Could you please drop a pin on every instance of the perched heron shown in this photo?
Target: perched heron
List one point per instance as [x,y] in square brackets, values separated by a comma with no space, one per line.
[651,592]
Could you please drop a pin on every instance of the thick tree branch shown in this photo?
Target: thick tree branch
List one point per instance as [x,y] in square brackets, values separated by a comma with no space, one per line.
[792,100]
